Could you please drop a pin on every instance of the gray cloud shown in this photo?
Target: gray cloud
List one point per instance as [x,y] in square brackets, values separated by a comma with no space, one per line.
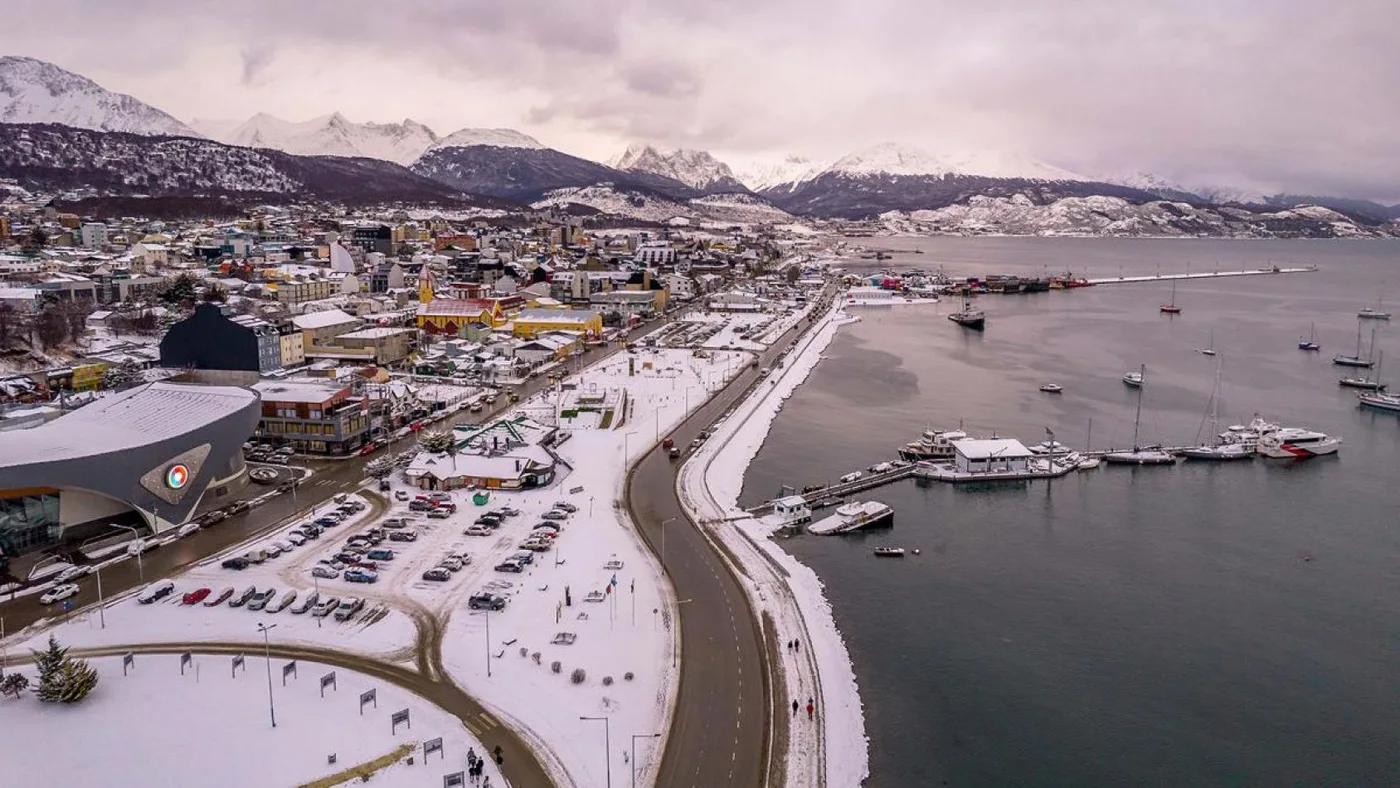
[1281,94]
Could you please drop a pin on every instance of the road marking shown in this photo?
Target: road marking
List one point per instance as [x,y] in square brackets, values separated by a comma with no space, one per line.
[488,719]
[471,727]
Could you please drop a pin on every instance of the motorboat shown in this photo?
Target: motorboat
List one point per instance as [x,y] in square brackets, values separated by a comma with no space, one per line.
[1248,435]
[932,445]
[854,516]
[1089,463]
[890,552]
[967,317]
[1209,350]
[1378,401]
[1133,379]
[1139,455]
[1052,388]
[1310,343]
[1051,446]
[1297,443]
[1367,313]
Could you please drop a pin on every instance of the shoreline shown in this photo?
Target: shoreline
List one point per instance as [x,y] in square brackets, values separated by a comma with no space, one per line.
[781,586]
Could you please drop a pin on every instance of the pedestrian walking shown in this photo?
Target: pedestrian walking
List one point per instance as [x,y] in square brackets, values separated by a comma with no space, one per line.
[810,708]
[794,707]
[796,645]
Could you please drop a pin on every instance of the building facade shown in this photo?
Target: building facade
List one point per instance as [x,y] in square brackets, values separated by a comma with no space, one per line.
[312,417]
[531,322]
[209,339]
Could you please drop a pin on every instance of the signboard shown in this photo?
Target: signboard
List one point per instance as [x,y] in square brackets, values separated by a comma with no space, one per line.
[454,780]
[185,659]
[575,490]
[128,661]
[399,717]
[328,680]
[289,668]
[177,476]
[433,746]
[237,663]
[368,696]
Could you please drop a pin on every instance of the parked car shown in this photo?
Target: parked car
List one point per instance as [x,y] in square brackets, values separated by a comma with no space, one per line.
[196,596]
[272,550]
[73,573]
[508,511]
[404,536]
[255,556]
[439,513]
[259,601]
[332,563]
[326,572]
[242,599]
[451,563]
[296,538]
[139,546]
[477,530]
[555,514]
[307,603]
[566,506]
[522,557]
[287,599]
[484,601]
[235,563]
[535,545]
[401,495]
[510,566]
[325,522]
[359,575]
[437,574]
[187,529]
[358,542]
[382,554]
[215,600]
[349,608]
[347,558]
[336,517]
[394,522]
[367,565]
[60,593]
[488,520]
[156,591]
[419,505]
[326,608]
[439,496]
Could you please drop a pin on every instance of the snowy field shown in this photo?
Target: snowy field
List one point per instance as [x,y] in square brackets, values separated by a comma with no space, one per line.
[211,727]
[728,330]
[835,751]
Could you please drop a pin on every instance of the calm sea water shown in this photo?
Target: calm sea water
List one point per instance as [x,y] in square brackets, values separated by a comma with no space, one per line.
[1192,626]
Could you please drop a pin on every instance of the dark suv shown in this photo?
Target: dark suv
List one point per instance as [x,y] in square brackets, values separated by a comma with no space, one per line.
[486,602]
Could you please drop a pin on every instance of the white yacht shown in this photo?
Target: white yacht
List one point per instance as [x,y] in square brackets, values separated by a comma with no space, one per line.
[1248,435]
[932,445]
[1380,401]
[1297,443]
[1133,379]
[854,516]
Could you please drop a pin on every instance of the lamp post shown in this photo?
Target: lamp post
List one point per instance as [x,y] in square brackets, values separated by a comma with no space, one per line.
[101,606]
[267,653]
[140,567]
[635,737]
[486,614]
[663,540]
[607,745]
[625,455]
[677,636]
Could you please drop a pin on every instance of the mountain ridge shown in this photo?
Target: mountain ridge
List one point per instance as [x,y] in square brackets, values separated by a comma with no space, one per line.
[36,91]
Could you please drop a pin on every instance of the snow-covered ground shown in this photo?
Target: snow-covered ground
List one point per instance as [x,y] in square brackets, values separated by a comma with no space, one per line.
[792,593]
[211,727]
[722,330]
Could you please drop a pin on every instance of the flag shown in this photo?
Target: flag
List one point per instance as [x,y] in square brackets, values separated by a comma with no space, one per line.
[1049,432]
[613,582]
[607,589]
[634,585]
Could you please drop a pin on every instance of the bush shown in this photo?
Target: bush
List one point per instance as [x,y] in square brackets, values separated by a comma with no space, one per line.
[555,666]
[524,652]
[607,681]
[577,676]
[536,657]
[627,676]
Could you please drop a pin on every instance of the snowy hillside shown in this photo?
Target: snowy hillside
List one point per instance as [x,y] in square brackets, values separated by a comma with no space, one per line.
[891,159]
[764,175]
[713,209]
[328,135]
[32,91]
[695,168]
[494,138]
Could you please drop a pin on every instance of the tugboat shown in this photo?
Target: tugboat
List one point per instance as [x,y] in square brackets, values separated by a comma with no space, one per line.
[968,317]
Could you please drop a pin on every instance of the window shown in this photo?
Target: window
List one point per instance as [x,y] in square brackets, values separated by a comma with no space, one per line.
[28,523]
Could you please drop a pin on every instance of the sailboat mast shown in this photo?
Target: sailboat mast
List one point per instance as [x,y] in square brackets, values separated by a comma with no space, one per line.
[1137,418]
[1215,400]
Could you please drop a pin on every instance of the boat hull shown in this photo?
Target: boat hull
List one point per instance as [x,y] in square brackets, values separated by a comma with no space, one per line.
[972,323]
[1139,458]
[1386,403]
[1218,453]
[1352,361]
[1290,451]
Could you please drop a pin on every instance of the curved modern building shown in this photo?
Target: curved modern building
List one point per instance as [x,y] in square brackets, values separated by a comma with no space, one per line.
[145,457]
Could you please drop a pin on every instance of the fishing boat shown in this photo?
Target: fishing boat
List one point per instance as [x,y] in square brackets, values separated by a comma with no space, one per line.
[1210,349]
[1378,401]
[1133,379]
[1052,388]
[1170,308]
[1366,383]
[1220,450]
[969,318]
[1357,360]
[889,552]
[1311,342]
[1140,455]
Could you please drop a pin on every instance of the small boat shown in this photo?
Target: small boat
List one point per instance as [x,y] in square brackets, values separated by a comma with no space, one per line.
[854,516]
[1170,308]
[932,445]
[969,318]
[1378,313]
[1052,388]
[1365,384]
[1133,379]
[1210,349]
[1222,449]
[1297,443]
[1311,342]
[890,552]
[1377,401]
[1089,463]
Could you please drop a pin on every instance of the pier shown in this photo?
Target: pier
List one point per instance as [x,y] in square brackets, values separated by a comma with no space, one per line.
[825,496]
[1123,280]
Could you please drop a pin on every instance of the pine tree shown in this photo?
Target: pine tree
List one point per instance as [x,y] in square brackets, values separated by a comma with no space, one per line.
[437,442]
[77,680]
[62,679]
[49,662]
[14,684]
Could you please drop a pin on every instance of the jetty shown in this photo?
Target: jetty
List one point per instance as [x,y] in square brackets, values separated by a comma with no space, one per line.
[1124,280]
[821,497]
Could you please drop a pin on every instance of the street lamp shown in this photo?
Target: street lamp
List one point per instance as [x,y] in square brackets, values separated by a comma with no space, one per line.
[267,653]
[607,745]
[625,455]
[679,602]
[140,567]
[663,540]
[635,737]
[486,614]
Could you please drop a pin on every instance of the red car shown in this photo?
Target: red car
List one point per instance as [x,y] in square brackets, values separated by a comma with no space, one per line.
[370,565]
[196,596]
[369,448]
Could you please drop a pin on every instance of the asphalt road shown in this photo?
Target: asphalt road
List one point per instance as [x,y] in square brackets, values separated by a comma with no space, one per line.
[331,478]
[719,735]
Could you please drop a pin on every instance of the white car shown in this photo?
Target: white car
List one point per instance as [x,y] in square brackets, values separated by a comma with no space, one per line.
[850,477]
[328,572]
[59,593]
[477,530]
[272,550]
[296,539]
[72,573]
[187,529]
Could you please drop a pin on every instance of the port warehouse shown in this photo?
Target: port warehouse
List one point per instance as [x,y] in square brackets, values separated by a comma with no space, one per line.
[144,458]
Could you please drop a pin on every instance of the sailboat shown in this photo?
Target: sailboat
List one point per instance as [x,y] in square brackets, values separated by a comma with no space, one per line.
[1311,342]
[1366,383]
[1140,455]
[1210,350]
[1089,463]
[1170,308]
[1221,449]
[1356,360]
[1379,313]
[968,317]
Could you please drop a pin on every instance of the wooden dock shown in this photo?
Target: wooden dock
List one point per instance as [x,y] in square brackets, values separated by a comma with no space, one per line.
[825,496]
[1125,280]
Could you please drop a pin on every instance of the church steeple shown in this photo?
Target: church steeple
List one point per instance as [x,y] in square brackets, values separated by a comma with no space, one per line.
[425,285]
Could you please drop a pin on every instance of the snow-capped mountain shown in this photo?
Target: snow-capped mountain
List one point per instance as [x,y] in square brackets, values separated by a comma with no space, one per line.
[695,168]
[902,160]
[328,135]
[33,91]
[58,158]
[761,176]
[492,138]
[714,209]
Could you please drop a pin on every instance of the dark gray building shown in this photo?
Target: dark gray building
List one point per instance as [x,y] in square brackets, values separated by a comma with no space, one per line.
[209,339]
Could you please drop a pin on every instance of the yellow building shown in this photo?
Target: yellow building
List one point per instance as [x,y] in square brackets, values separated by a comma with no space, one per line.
[532,322]
[88,377]
[451,315]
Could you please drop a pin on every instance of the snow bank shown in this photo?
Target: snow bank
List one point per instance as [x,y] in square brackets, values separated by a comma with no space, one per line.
[835,751]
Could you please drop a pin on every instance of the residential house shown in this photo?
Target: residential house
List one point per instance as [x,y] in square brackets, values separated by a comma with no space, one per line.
[147,257]
[388,275]
[298,292]
[92,235]
[381,345]
[629,302]
[291,344]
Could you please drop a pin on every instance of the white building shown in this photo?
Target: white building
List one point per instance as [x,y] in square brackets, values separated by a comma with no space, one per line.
[655,254]
[92,235]
[986,455]
[792,509]
[870,295]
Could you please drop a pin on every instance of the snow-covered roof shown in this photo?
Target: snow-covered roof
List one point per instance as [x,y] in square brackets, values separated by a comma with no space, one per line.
[134,418]
[325,319]
[990,448]
[313,392]
[375,333]
[556,315]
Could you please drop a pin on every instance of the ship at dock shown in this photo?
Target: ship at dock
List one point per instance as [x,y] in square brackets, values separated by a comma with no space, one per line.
[854,516]
[932,445]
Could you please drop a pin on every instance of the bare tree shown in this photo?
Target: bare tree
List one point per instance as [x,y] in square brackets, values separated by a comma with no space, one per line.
[11,325]
[51,326]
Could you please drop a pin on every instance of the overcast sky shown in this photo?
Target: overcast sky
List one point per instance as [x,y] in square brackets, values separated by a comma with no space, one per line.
[1269,94]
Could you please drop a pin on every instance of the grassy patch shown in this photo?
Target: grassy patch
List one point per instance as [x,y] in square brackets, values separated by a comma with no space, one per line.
[364,770]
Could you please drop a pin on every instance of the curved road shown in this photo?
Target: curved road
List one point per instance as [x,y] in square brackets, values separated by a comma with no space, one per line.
[518,763]
[719,734]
